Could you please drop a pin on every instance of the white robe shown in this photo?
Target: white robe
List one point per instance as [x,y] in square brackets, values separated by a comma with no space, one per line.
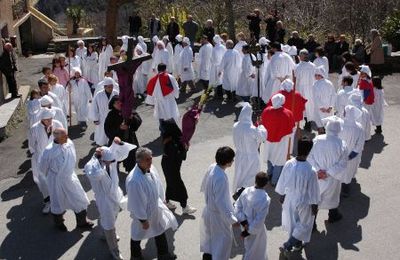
[146,202]
[376,110]
[57,102]
[38,140]
[299,183]
[98,112]
[91,71]
[324,96]
[81,95]
[282,66]
[161,56]
[205,53]
[305,78]
[247,139]
[265,92]
[355,78]
[66,192]
[165,107]
[239,47]
[216,58]
[342,100]
[247,84]
[230,67]
[59,116]
[108,194]
[60,91]
[73,62]
[218,215]
[329,153]
[32,110]
[177,53]
[185,63]
[276,152]
[353,134]
[104,59]
[253,206]
[323,61]
[141,77]
[170,50]
[365,121]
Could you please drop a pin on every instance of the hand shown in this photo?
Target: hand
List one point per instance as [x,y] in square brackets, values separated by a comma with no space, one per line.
[145,225]
[352,155]
[322,175]
[98,151]
[96,122]
[237,224]
[117,140]
[123,127]
[252,76]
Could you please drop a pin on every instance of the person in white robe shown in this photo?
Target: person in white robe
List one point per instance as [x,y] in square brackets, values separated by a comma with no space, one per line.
[106,52]
[230,68]
[247,84]
[39,136]
[247,139]
[365,120]
[216,57]
[141,43]
[161,56]
[282,66]
[205,53]
[170,49]
[81,97]
[240,37]
[44,88]
[324,98]
[150,216]
[218,214]
[124,39]
[329,157]
[343,95]
[251,209]
[376,109]
[33,107]
[99,110]
[349,69]
[322,60]
[141,76]
[60,92]
[81,52]
[300,195]
[266,93]
[353,135]
[91,71]
[107,79]
[73,60]
[177,53]
[305,78]
[47,102]
[102,172]
[263,55]
[66,192]
[185,66]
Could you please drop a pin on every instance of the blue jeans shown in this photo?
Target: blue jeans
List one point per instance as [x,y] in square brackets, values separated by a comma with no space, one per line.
[274,171]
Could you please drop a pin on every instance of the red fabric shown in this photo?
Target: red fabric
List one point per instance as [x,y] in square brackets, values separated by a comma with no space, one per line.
[165,83]
[278,122]
[299,104]
[367,85]
[189,121]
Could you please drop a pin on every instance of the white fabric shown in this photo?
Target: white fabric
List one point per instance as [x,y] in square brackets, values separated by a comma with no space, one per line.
[329,153]
[299,183]
[247,139]
[287,85]
[105,185]
[355,77]
[146,202]
[161,56]
[57,101]
[32,110]
[125,40]
[266,76]
[98,112]
[91,70]
[104,59]
[59,116]
[276,152]
[278,100]
[239,47]
[324,96]
[365,69]
[81,95]
[141,76]
[66,192]
[253,206]
[177,53]
[323,61]
[106,81]
[205,53]
[230,68]
[73,62]
[185,64]
[343,100]
[216,58]
[247,84]
[365,120]
[60,91]
[305,78]
[218,215]
[376,110]
[142,44]
[165,107]
[170,50]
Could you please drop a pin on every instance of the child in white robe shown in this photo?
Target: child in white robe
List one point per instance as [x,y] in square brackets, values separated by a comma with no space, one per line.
[376,109]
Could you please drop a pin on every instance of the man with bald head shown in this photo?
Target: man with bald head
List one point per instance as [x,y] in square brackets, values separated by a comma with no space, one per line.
[8,66]
[66,192]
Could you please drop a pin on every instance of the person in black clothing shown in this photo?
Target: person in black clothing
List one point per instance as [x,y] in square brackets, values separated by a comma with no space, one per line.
[116,126]
[171,162]
[172,30]
[330,49]
[280,32]
[341,47]
[8,67]
[154,26]
[254,24]
[271,27]
[311,45]
[209,31]
[135,23]
[295,40]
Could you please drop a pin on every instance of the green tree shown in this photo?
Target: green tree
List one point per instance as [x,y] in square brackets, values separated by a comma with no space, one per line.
[76,13]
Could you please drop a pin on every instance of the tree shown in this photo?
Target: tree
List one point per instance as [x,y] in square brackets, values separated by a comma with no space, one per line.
[111,19]
[76,13]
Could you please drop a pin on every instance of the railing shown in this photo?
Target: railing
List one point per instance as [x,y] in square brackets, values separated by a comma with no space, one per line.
[19,9]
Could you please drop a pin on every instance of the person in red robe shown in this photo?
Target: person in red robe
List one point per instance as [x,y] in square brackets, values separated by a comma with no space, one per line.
[366,86]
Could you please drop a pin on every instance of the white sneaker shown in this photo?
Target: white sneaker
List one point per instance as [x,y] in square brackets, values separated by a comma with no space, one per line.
[170,205]
[46,208]
[188,210]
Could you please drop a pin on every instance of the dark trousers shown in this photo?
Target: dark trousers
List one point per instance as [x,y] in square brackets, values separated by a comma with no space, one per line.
[11,82]
[204,84]
[207,256]
[176,189]
[161,244]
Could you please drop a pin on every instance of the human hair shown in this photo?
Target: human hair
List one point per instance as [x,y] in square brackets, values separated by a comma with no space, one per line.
[73,52]
[88,53]
[52,78]
[346,56]
[141,153]
[377,82]
[112,102]
[224,155]
[304,146]
[276,45]
[320,51]
[229,44]
[351,67]
[53,63]
[261,179]
[348,80]
[161,67]
[44,69]
[304,52]
[33,93]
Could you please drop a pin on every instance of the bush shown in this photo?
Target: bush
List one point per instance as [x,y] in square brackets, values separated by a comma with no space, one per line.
[391,29]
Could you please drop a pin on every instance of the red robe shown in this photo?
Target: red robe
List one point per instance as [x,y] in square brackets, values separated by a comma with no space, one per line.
[299,104]
[367,86]
[278,122]
[165,83]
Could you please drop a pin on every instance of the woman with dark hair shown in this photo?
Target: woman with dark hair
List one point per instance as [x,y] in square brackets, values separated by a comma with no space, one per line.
[91,66]
[116,126]
[321,60]
[73,61]
[174,154]
[106,52]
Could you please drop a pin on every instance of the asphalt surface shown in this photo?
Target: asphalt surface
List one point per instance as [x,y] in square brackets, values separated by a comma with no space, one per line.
[370,228]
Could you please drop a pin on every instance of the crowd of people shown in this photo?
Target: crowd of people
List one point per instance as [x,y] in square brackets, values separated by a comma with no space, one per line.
[292,87]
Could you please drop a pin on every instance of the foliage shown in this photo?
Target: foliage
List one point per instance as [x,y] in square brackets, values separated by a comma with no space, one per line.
[391,29]
[76,13]
[179,13]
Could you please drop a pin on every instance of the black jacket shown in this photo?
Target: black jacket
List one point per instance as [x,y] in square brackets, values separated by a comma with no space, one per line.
[172,31]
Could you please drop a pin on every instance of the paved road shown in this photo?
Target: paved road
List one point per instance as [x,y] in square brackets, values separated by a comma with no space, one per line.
[369,230]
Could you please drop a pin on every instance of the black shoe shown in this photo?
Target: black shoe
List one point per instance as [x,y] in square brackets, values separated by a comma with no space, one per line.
[62,227]
[378,129]
[87,225]
[16,96]
[336,218]
[168,256]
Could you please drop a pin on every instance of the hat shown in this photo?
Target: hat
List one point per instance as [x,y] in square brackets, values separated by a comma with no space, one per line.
[352,113]
[333,125]
[365,69]
[107,155]
[263,41]
[186,40]
[277,101]
[76,69]
[320,71]
[161,43]
[46,113]
[165,37]
[246,113]
[140,38]
[108,81]
[356,99]
[217,39]
[155,39]
[45,101]
[287,85]
[42,81]
[179,38]
[80,42]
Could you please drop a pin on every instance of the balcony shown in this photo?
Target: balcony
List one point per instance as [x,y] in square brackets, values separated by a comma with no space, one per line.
[19,9]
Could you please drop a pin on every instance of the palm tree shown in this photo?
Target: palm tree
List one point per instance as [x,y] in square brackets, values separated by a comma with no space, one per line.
[76,13]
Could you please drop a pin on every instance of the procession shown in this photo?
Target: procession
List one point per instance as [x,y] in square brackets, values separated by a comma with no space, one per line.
[305,112]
